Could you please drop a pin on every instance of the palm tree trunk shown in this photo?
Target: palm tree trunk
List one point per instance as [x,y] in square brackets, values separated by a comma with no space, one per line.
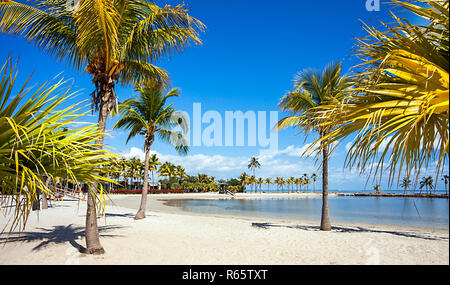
[325,224]
[141,212]
[93,245]
[44,195]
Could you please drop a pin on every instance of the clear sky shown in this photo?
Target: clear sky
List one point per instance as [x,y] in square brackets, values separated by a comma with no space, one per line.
[251,51]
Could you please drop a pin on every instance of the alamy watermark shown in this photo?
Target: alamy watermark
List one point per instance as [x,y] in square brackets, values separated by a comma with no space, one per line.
[231,128]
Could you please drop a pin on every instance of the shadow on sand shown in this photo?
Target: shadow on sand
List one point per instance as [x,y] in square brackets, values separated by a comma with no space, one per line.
[56,235]
[355,229]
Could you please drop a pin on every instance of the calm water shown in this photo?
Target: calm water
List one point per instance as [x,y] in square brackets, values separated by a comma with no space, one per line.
[418,212]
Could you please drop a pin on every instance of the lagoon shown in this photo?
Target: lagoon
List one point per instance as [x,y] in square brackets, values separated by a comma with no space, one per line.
[401,211]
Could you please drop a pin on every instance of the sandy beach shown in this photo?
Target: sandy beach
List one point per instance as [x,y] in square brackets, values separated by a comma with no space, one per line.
[169,235]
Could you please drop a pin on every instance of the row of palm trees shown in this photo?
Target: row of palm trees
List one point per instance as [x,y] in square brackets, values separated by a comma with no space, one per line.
[426,182]
[293,184]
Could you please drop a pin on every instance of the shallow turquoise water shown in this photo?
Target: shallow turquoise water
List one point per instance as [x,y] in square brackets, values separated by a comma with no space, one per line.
[417,212]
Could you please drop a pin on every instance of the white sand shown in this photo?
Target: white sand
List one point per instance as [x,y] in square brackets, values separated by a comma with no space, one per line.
[170,236]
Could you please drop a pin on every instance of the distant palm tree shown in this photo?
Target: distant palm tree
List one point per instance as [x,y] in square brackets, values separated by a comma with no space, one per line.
[244,180]
[445,178]
[268,181]
[426,182]
[312,90]
[314,178]
[377,188]
[152,166]
[253,164]
[148,115]
[278,181]
[260,182]
[406,183]
[252,181]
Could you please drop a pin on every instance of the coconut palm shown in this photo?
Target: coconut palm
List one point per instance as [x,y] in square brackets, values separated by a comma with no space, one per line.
[38,142]
[243,178]
[181,173]
[406,183]
[314,89]
[314,178]
[115,41]
[401,96]
[377,188]
[148,115]
[268,181]
[306,181]
[260,182]
[445,179]
[427,182]
[253,164]
[252,181]
[153,163]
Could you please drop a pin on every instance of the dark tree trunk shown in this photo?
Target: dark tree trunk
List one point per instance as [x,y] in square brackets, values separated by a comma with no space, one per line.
[93,245]
[325,224]
[142,208]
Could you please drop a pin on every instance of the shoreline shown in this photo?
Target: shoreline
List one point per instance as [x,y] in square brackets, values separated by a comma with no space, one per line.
[162,203]
[171,236]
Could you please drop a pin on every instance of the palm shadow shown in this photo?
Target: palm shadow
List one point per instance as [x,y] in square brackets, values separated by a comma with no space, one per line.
[56,235]
[355,229]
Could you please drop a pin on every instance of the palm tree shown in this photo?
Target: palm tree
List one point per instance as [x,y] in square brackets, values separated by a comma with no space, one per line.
[290,181]
[244,180]
[115,41]
[278,181]
[253,164]
[152,166]
[314,89]
[268,181]
[406,183]
[37,145]
[377,188]
[252,180]
[306,181]
[260,182]
[149,116]
[401,95]
[426,182]
[181,173]
[445,178]
[314,178]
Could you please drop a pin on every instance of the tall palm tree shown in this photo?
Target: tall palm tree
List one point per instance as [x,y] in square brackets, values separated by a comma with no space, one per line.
[314,89]
[260,182]
[148,115]
[445,178]
[406,183]
[153,166]
[243,178]
[427,182]
[401,95]
[290,181]
[253,164]
[252,181]
[115,41]
[314,178]
[268,181]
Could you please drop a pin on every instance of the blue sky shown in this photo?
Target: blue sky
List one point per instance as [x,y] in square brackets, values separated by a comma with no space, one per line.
[251,51]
